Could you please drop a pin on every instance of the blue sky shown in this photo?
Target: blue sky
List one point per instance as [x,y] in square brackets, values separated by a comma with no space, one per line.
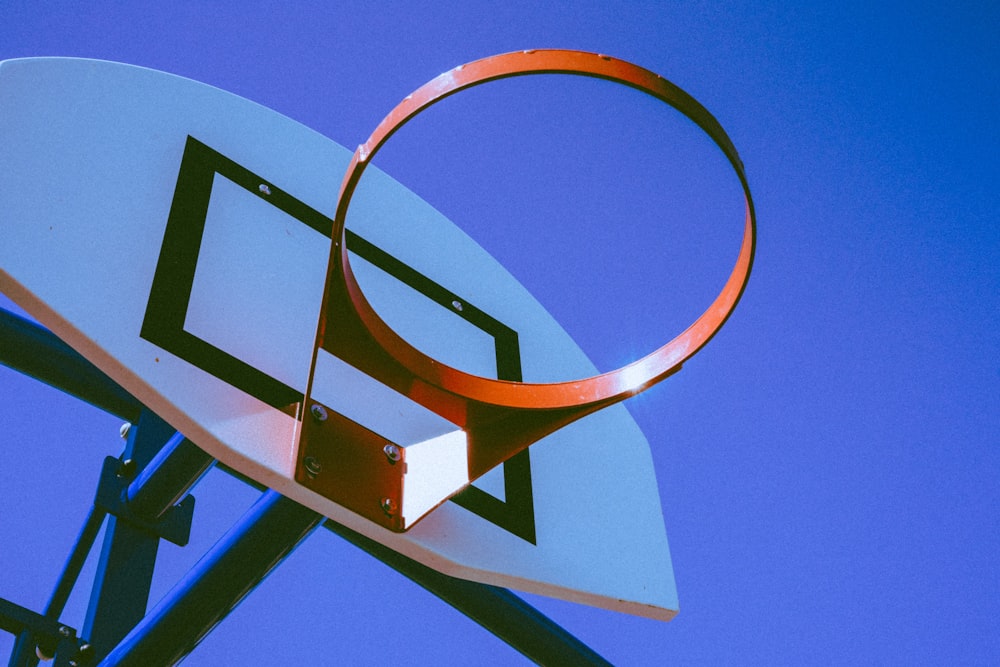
[828,465]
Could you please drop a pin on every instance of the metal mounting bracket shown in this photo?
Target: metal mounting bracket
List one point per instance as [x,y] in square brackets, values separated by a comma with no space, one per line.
[353,466]
[175,524]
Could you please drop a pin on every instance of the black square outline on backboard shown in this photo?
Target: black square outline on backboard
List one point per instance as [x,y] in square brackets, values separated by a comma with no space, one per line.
[170,294]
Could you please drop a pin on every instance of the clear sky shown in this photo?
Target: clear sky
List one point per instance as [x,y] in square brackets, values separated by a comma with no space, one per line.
[828,466]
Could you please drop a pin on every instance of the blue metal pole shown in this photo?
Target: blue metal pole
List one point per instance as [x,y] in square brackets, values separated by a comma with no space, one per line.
[174,470]
[262,539]
[38,353]
[498,610]
[75,562]
[23,654]
[125,569]
[163,482]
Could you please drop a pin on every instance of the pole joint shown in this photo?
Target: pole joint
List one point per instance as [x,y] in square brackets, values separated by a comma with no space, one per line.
[112,497]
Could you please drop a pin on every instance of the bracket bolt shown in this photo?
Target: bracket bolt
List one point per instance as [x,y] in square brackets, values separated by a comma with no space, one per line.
[312,466]
[318,412]
[388,506]
[457,305]
[264,189]
[392,452]
[64,631]
[126,470]
[123,431]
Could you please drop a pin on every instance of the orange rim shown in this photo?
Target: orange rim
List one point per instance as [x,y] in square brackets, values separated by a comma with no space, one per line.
[600,389]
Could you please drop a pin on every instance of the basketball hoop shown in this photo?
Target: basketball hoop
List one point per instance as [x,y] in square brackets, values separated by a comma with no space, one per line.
[503,417]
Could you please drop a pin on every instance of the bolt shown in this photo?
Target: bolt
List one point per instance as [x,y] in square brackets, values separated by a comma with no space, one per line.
[64,631]
[313,467]
[457,305]
[318,412]
[264,189]
[126,469]
[392,452]
[388,506]
[123,431]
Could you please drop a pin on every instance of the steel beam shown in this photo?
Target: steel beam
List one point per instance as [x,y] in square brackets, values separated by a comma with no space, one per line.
[74,564]
[164,482]
[498,610]
[176,468]
[239,561]
[125,569]
[38,353]
[23,654]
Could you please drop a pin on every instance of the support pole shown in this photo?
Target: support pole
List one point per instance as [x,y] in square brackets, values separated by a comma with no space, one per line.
[37,352]
[165,481]
[498,610]
[172,472]
[125,569]
[24,654]
[242,559]
[74,564]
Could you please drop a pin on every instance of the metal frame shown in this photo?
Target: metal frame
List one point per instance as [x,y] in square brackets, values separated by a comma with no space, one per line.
[166,466]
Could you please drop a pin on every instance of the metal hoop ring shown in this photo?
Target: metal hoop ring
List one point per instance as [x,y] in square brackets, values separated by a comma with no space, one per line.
[594,391]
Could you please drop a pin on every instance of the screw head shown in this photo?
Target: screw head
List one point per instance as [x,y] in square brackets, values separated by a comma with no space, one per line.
[318,412]
[388,506]
[312,466]
[392,452]
[457,305]
[264,189]
[126,469]
[64,631]
[123,431]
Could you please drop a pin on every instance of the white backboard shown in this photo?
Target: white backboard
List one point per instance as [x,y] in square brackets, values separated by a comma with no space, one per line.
[96,157]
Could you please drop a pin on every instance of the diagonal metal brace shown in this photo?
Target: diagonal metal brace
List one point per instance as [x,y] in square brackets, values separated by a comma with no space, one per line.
[174,525]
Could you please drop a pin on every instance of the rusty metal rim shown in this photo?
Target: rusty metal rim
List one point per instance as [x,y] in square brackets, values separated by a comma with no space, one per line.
[600,389]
